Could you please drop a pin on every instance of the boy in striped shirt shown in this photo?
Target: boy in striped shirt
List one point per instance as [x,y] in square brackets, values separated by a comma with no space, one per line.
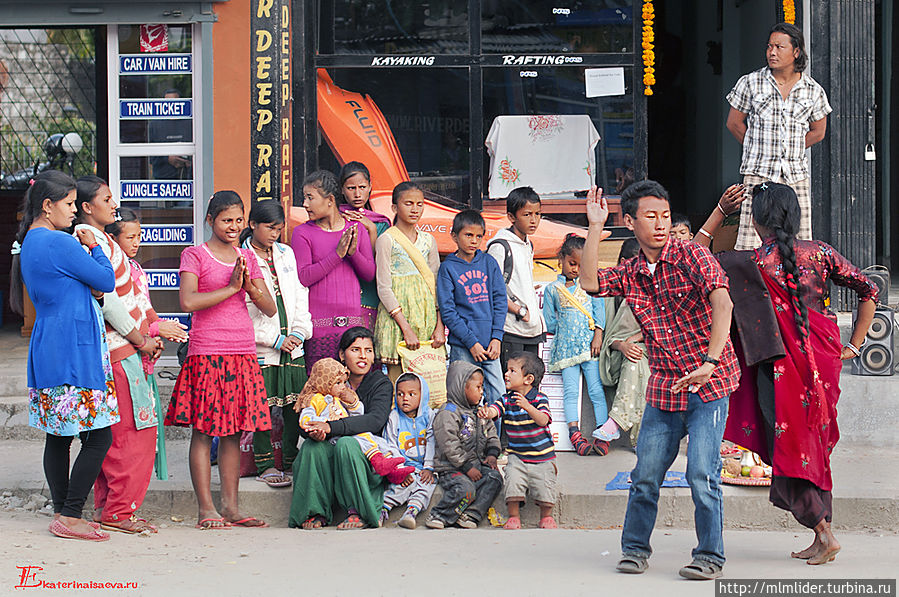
[526,418]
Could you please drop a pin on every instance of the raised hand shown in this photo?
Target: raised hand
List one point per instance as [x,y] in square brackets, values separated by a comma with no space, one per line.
[597,207]
[237,274]
[346,239]
[731,199]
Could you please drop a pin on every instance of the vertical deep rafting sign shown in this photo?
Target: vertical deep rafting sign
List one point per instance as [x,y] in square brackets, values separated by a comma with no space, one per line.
[270,100]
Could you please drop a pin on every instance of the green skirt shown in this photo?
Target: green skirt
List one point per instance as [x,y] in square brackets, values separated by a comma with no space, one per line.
[325,473]
[283,382]
[161,464]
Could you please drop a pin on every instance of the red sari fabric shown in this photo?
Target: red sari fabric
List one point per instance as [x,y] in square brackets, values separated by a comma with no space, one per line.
[806,390]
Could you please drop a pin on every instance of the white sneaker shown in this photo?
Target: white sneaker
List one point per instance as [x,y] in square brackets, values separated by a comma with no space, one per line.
[407,521]
[435,523]
[466,523]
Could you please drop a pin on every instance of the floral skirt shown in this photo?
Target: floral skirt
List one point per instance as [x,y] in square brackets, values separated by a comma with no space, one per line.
[220,395]
[67,410]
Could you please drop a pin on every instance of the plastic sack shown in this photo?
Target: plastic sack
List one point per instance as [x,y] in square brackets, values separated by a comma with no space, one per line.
[430,363]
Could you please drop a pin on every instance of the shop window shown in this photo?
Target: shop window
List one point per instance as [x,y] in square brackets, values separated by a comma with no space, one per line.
[393,27]
[427,111]
[48,103]
[560,90]
[557,26]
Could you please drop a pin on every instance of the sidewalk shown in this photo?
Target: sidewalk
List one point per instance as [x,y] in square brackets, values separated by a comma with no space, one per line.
[866,495]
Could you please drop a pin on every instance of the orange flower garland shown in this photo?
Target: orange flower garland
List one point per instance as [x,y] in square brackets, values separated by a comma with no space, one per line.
[790,12]
[649,57]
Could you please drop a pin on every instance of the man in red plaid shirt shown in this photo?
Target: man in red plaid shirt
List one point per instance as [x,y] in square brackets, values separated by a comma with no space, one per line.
[679,295]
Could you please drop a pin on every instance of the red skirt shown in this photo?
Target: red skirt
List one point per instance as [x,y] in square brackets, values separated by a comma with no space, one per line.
[220,395]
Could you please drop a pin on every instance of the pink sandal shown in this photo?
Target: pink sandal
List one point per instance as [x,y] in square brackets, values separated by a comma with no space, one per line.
[513,524]
[548,522]
[61,530]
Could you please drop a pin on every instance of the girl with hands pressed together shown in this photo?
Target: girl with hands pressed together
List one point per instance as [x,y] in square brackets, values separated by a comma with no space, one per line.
[333,254]
[220,390]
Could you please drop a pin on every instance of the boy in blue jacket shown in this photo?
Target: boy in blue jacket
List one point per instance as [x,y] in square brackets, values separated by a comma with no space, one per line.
[410,433]
[471,295]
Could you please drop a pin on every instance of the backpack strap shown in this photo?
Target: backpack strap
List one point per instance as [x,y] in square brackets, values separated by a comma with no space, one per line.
[507,259]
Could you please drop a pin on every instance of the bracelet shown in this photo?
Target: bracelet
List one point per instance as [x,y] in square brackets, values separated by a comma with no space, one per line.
[705,232]
[142,344]
[721,209]
[853,349]
[93,246]
[395,311]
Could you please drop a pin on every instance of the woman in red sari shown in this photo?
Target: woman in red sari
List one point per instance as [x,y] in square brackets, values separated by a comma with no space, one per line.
[786,410]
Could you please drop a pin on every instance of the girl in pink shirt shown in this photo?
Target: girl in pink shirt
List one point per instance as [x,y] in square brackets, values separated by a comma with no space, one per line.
[220,391]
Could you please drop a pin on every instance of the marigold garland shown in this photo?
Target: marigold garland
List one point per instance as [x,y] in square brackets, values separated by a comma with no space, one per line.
[790,12]
[649,57]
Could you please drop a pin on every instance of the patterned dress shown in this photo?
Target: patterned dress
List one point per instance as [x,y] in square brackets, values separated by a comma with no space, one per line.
[412,293]
[68,410]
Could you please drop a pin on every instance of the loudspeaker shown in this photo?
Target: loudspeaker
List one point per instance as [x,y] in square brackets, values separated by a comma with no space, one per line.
[877,352]
[881,278]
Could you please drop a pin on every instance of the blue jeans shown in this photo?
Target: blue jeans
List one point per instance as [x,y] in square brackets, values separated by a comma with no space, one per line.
[571,383]
[494,384]
[657,446]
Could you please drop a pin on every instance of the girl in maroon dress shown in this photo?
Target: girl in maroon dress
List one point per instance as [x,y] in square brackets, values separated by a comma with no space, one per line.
[787,412]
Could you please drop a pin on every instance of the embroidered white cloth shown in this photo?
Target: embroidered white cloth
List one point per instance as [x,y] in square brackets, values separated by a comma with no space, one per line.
[551,153]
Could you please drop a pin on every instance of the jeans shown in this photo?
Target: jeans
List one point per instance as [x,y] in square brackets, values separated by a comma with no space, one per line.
[462,495]
[571,383]
[657,446]
[494,384]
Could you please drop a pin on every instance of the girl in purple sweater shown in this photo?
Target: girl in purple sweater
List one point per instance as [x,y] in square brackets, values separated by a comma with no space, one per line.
[331,260]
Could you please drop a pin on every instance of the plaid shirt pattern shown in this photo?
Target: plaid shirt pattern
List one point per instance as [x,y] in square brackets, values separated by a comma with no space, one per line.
[774,145]
[674,313]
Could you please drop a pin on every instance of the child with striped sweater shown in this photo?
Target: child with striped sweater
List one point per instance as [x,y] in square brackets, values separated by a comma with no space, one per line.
[532,457]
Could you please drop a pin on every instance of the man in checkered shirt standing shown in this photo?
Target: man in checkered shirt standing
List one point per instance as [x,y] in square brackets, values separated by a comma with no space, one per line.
[776,113]
[679,296]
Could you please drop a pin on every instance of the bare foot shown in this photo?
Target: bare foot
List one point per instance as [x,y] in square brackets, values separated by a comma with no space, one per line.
[809,551]
[829,545]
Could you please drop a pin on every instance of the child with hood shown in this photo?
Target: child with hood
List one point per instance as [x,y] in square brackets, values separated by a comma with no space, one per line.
[327,397]
[410,432]
[467,448]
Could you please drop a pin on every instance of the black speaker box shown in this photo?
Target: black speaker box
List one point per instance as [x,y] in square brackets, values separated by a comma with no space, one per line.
[877,356]
[881,278]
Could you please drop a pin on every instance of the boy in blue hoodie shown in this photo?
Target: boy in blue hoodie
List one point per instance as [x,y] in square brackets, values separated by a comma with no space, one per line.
[471,295]
[410,433]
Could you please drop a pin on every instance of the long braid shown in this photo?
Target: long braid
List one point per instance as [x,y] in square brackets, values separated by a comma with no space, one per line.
[775,207]
[791,277]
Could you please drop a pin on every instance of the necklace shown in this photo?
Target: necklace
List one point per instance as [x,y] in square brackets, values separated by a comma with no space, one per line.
[331,228]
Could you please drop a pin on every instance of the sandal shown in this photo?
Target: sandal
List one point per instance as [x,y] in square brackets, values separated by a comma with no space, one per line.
[314,522]
[269,479]
[58,528]
[600,447]
[513,524]
[548,522]
[132,526]
[249,522]
[701,570]
[352,522]
[632,565]
[581,445]
[213,524]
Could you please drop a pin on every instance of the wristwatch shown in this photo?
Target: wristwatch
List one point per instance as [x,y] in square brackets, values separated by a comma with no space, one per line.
[522,312]
[707,359]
